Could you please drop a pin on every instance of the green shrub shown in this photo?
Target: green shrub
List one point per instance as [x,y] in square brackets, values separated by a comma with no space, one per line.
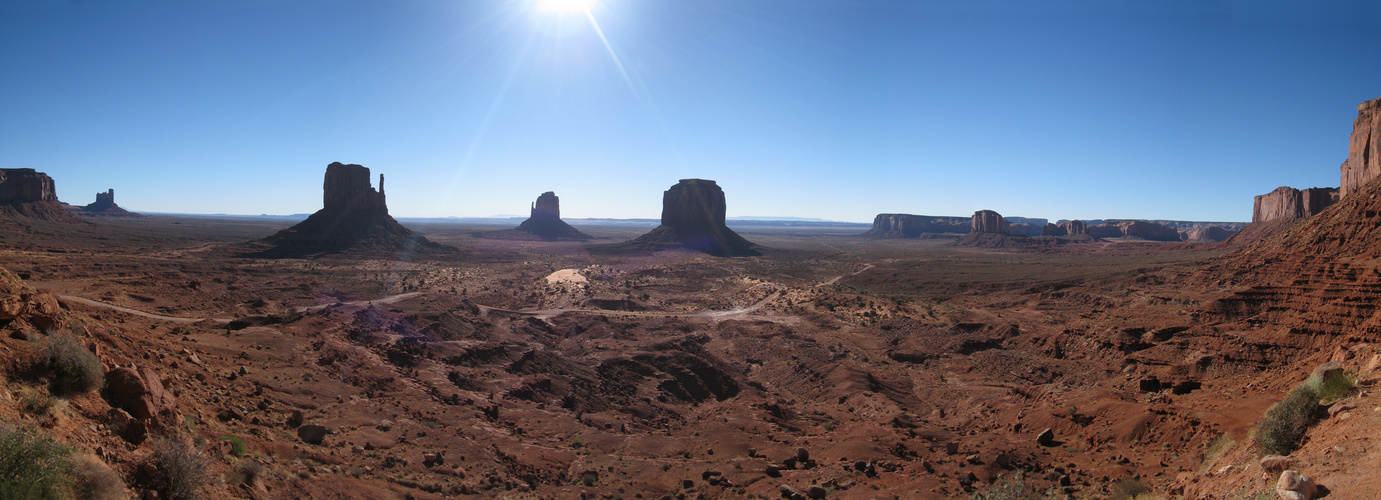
[1128,489]
[1284,425]
[75,369]
[182,469]
[237,445]
[33,465]
[1336,385]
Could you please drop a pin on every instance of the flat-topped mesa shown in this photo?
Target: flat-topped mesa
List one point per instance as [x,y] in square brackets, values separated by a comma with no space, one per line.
[354,217]
[545,220]
[1209,234]
[1287,203]
[1139,229]
[1364,149]
[989,222]
[913,226]
[1070,228]
[347,188]
[693,213]
[25,185]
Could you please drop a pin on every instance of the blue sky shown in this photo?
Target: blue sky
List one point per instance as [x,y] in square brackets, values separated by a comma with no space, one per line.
[840,110]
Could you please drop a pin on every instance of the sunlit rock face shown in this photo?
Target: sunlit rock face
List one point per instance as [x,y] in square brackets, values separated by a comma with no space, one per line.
[912,226]
[693,217]
[545,220]
[990,222]
[1286,203]
[1364,149]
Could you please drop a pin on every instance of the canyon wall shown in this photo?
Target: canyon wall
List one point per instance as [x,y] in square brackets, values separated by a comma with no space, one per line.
[1364,148]
[1289,203]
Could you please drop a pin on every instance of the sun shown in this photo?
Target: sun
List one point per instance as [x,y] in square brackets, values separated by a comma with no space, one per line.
[565,6]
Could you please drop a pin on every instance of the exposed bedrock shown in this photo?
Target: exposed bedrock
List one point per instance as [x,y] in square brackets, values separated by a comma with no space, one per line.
[1287,203]
[1364,148]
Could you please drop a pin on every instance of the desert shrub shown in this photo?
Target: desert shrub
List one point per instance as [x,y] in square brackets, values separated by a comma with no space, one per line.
[182,469]
[1284,425]
[1128,489]
[1336,385]
[74,368]
[1011,487]
[33,465]
[96,481]
[1218,447]
[237,445]
[40,403]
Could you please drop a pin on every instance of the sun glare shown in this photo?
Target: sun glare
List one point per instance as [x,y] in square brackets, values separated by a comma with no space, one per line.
[565,6]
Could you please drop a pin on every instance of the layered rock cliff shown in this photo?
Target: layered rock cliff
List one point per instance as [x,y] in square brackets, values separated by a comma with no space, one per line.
[1139,229]
[354,217]
[988,222]
[913,226]
[27,193]
[545,220]
[1364,149]
[1287,203]
[693,214]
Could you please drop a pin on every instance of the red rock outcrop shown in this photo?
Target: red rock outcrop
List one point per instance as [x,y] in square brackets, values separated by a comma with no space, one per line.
[989,222]
[27,193]
[545,220]
[141,393]
[1139,229]
[354,217]
[913,226]
[693,215]
[1287,203]
[1364,149]
[1074,228]
[1210,234]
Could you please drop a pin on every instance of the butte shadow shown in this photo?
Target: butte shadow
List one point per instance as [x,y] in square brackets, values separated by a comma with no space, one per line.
[354,219]
[692,218]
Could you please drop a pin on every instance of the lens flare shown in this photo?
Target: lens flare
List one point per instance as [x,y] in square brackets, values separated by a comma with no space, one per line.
[565,6]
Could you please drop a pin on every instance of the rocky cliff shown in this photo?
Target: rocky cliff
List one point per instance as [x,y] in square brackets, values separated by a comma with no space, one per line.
[913,226]
[545,220]
[1069,228]
[988,222]
[693,213]
[1287,203]
[26,193]
[1364,148]
[1210,234]
[1139,229]
[354,217]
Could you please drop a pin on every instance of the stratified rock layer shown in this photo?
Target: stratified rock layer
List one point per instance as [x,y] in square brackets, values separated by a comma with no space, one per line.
[913,226]
[1287,203]
[1139,229]
[545,220]
[1364,149]
[354,217]
[693,217]
[27,193]
[989,222]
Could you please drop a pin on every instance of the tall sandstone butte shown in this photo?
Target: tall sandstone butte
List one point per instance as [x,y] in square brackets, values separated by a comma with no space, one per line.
[693,213]
[1287,203]
[990,222]
[353,217]
[913,226]
[545,220]
[1364,149]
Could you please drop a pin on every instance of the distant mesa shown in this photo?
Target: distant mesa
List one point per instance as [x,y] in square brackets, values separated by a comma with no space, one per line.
[1068,228]
[354,217]
[988,222]
[1287,203]
[915,226]
[545,220]
[25,193]
[105,205]
[1209,234]
[1136,229]
[693,217]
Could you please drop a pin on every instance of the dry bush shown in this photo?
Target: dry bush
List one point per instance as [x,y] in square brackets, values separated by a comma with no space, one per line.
[33,465]
[181,468]
[1284,425]
[75,369]
[96,481]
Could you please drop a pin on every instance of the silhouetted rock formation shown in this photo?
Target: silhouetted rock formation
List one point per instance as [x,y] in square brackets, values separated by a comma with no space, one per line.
[913,226]
[28,193]
[1364,149]
[989,222]
[354,217]
[693,217]
[545,220]
[1287,203]
[105,205]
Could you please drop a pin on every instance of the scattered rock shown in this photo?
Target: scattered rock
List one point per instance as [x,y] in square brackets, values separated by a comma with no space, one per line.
[791,492]
[816,491]
[1340,407]
[1046,437]
[1294,485]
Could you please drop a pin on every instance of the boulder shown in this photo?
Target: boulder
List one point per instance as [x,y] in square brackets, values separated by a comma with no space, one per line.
[1273,465]
[1287,203]
[1294,485]
[913,226]
[545,220]
[311,433]
[1364,149]
[693,215]
[141,393]
[988,222]
[1046,437]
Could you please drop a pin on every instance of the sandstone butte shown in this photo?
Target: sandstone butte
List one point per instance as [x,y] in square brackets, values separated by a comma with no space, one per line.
[105,205]
[693,217]
[545,220]
[25,193]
